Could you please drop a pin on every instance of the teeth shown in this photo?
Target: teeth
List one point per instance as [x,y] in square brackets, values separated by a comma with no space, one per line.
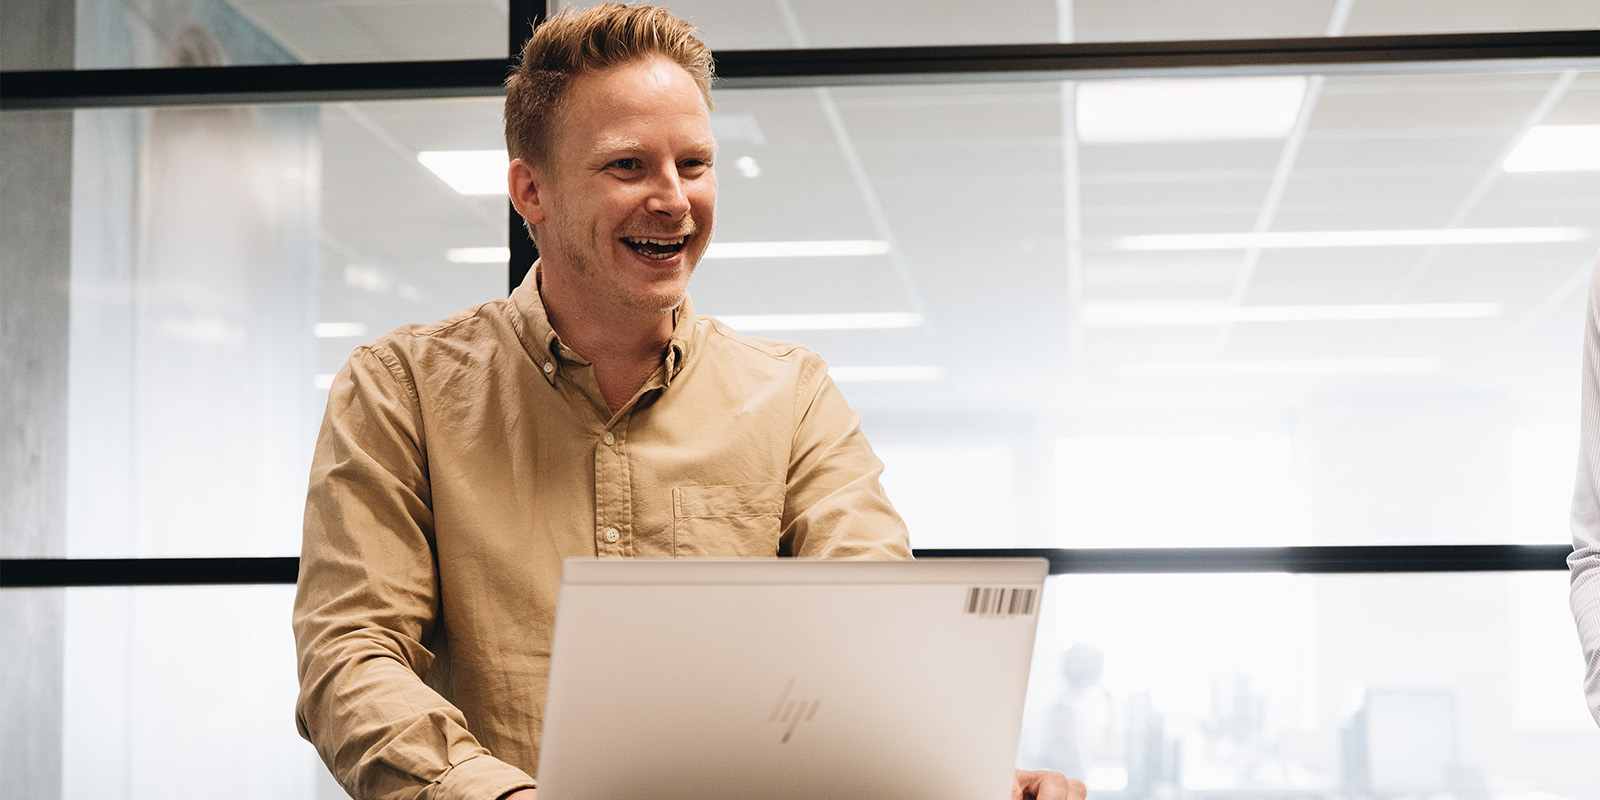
[662,242]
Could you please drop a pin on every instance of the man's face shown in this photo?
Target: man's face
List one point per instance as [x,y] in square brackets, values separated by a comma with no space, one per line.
[626,200]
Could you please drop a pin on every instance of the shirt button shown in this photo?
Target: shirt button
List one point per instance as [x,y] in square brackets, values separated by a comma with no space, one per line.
[549,367]
[608,438]
[612,535]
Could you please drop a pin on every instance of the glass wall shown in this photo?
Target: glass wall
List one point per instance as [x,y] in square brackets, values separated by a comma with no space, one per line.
[1311,686]
[1261,685]
[1335,322]
[169,692]
[223,263]
[783,24]
[1192,339]
[116,34]
[121,34]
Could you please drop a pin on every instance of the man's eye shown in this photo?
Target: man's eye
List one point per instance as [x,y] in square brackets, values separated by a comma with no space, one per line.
[626,163]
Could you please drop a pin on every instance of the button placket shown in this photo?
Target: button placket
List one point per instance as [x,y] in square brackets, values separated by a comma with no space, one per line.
[611,483]
[613,530]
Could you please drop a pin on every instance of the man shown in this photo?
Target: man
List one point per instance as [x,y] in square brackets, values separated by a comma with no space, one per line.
[591,413]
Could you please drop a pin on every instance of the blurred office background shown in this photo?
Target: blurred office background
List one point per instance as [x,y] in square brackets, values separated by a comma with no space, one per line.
[1161,309]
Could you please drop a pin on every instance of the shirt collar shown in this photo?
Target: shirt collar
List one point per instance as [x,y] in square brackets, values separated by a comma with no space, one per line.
[545,347]
[684,326]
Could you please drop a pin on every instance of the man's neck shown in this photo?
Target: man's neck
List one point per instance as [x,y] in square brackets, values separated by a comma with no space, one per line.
[625,345]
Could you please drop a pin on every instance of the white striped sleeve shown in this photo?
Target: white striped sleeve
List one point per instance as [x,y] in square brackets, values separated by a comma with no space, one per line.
[1585,559]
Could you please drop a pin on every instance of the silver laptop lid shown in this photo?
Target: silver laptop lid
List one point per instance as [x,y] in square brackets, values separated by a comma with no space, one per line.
[789,678]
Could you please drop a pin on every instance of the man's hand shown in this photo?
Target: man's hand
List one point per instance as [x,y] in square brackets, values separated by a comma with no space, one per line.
[1046,785]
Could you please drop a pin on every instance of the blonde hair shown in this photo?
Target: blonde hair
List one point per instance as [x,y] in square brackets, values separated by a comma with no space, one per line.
[571,44]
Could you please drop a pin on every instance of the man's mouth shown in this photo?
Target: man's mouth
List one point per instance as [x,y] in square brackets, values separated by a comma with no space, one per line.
[658,249]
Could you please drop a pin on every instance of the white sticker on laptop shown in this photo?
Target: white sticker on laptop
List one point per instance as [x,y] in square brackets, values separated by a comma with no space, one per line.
[1000,602]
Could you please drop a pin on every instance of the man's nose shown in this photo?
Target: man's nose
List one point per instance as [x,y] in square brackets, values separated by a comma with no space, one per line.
[667,196]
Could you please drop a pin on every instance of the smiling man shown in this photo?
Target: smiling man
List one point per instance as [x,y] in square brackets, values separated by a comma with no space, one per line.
[590,413]
[621,201]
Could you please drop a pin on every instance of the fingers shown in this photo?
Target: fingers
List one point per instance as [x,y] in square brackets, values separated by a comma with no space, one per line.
[1047,785]
[1076,790]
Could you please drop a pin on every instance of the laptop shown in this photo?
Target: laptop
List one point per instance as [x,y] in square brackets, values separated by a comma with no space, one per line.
[788,679]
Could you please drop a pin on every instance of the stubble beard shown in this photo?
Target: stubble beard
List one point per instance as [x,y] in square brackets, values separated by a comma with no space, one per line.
[558,237]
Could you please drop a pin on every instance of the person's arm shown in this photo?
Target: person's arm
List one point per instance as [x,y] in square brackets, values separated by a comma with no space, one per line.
[1585,559]
[833,504]
[367,601]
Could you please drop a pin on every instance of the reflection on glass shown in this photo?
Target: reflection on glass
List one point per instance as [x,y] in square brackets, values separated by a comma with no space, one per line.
[134,33]
[156,693]
[1363,284]
[885,23]
[1326,686]
[190,306]
[1235,491]
[119,34]
[289,235]
[225,261]
[1162,686]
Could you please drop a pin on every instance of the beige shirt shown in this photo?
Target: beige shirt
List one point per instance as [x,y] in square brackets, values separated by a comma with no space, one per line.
[460,462]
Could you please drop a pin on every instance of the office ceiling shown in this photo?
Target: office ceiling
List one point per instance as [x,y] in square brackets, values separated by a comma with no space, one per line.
[1007,233]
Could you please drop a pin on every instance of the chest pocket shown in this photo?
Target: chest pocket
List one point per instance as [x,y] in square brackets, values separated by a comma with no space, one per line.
[739,520]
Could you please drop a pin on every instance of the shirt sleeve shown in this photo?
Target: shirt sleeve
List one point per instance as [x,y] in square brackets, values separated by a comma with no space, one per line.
[1585,559]
[834,505]
[367,600]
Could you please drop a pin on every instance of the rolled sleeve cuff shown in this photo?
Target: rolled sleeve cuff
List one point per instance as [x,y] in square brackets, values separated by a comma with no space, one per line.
[1586,611]
[482,778]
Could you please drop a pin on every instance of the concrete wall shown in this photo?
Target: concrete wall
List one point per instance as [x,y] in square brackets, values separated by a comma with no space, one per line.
[35,265]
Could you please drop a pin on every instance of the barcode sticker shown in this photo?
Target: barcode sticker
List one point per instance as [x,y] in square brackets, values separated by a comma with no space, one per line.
[1000,601]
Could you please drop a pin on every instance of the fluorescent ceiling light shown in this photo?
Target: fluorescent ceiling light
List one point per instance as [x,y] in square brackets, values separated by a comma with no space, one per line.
[1188,110]
[471,172]
[909,373]
[1556,148]
[822,322]
[1389,238]
[478,255]
[1171,315]
[847,247]
[1537,794]
[1354,366]
[339,330]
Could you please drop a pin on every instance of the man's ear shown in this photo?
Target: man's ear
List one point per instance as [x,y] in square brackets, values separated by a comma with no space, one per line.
[523,183]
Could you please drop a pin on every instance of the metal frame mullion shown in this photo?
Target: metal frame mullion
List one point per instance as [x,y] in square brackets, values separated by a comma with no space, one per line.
[249,85]
[310,83]
[1399,54]
[525,14]
[1357,559]
[1322,559]
[81,572]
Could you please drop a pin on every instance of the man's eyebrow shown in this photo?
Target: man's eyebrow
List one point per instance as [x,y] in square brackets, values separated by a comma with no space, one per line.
[615,144]
[622,144]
